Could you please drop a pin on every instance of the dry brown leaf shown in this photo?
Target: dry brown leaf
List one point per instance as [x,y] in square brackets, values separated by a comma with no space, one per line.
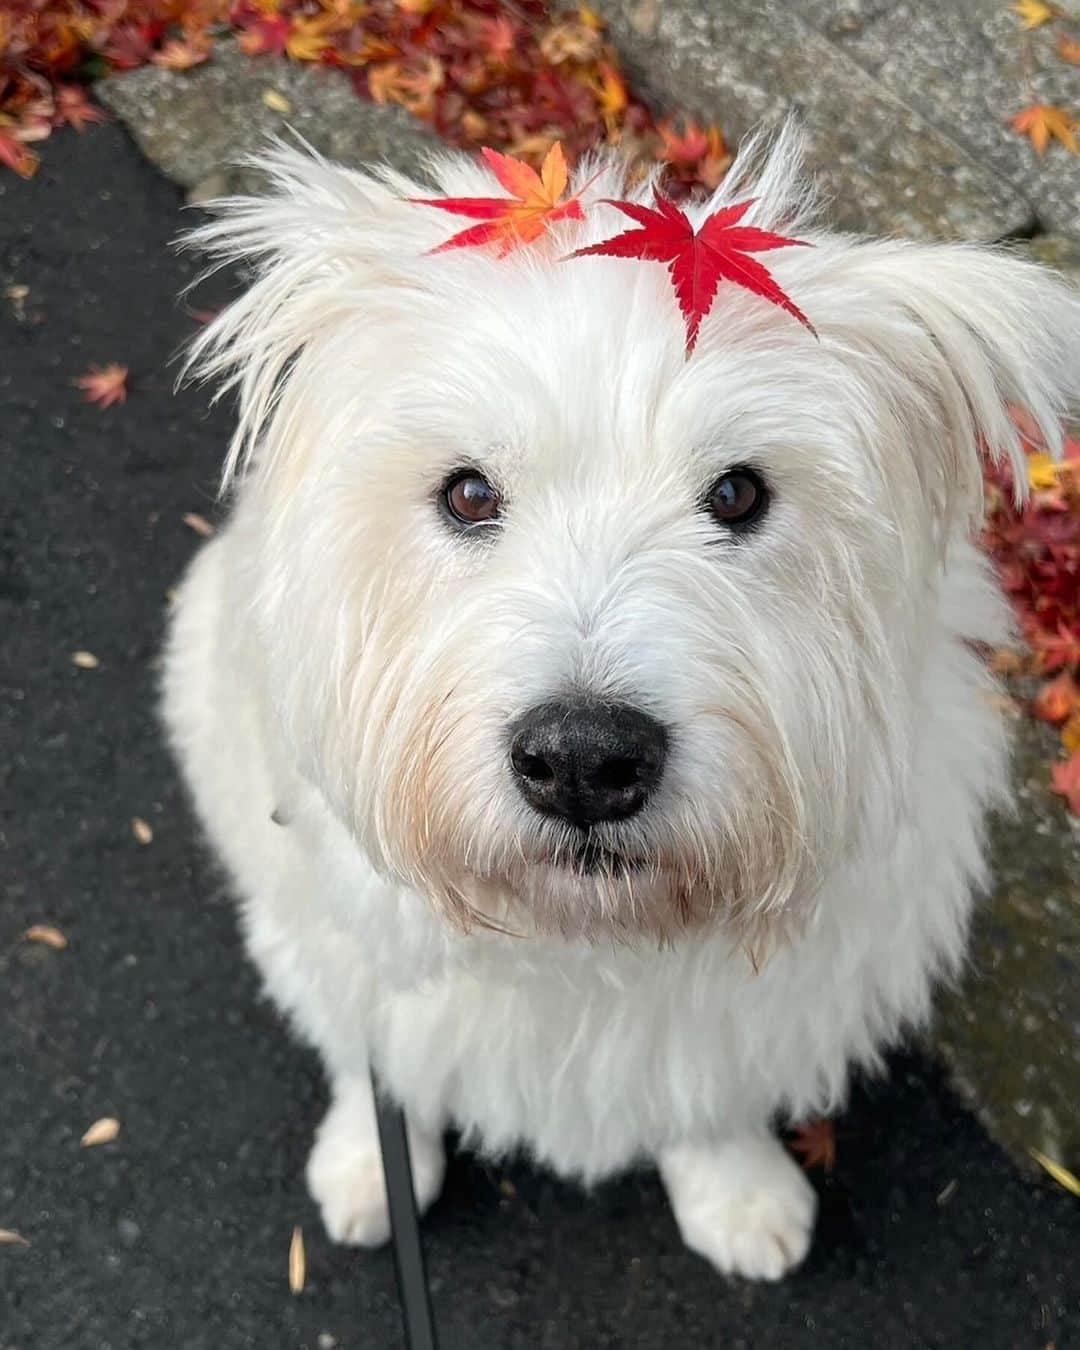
[85,660]
[199,524]
[9,1238]
[47,934]
[142,832]
[296,1261]
[103,1131]
[1069,49]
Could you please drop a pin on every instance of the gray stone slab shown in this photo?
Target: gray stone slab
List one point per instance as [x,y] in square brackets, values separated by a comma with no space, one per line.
[1011,1032]
[195,124]
[967,66]
[883,166]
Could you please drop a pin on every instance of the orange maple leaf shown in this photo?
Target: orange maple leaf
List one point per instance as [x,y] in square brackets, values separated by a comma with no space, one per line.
[73,107]
[1043,122]
[182,54]
[815,1142]
[1058,700]
[1065,781]
[518,219]
[104,385]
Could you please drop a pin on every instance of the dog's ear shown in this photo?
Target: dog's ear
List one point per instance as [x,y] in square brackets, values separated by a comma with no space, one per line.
[325,247]
[960,342]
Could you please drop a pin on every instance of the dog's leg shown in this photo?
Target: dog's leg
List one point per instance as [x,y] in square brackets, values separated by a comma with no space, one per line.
[743,1204]
[345,1174]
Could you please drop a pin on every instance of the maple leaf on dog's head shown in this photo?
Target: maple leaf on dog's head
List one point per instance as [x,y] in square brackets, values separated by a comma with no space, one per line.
[1043,122]
[104,385]
[525,215]
[699,260]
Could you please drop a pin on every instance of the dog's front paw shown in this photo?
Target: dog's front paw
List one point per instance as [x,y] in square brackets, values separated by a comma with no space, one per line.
[345,1173]
[743,1205]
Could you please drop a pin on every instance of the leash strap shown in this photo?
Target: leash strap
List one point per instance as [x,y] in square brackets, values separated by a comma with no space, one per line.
[405,1225]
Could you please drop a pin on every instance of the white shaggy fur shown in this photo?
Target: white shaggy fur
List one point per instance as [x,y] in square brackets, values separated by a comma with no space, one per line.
[340,658]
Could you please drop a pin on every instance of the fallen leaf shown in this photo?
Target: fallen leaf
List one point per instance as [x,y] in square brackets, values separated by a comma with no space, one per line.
[142,832]
[103,1131]
[104,385]
[74,108]
[85,660]
[525,215]
[47,934]
[198,523]
[1061,1174]
[1069,49]
[1070,734]
[1057,700]
[1035,12]
[183,53]
[9,1238]
[699,260]
[1043,122]
[296,1261]
[276,102]
[1042,473]
[14,153]
[1065,781]
[815,1142]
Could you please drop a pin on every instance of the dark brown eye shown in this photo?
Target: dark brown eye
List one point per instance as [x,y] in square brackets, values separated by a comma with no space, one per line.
[470,499]
[738,498]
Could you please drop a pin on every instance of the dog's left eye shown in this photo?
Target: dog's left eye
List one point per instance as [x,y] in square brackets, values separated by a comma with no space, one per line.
[469,499]
[738,498]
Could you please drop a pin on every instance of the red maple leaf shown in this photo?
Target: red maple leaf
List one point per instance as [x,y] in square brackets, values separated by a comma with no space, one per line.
[815,1142]
[520,218]
[699,260]
[104,385]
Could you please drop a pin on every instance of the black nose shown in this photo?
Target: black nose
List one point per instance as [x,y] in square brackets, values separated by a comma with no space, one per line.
[587,762]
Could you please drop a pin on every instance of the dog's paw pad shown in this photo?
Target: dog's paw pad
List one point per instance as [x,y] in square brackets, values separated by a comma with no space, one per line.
[748,1209]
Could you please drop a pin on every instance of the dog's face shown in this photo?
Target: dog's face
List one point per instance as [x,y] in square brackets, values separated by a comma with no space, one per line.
[575,633]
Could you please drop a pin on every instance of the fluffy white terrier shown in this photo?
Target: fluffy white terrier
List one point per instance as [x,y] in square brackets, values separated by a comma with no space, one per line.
[599,739]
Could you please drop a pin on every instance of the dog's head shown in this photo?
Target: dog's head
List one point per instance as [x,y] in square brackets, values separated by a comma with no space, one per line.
[576,633]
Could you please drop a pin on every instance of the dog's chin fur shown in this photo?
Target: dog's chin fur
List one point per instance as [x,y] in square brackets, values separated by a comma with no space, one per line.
[341,661]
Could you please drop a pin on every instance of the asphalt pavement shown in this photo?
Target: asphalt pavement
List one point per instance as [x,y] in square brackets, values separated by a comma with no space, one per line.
[176,1235]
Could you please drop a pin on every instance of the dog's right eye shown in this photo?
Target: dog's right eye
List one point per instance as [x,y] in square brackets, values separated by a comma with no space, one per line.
[469,499]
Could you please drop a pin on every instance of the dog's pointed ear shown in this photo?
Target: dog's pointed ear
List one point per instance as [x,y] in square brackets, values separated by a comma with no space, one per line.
[322,246]
[963,341]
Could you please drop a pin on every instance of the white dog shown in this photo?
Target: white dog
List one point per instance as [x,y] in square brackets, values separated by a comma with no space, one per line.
[599,739]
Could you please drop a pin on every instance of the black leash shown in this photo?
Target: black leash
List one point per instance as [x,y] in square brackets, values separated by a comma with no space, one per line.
[405,1225]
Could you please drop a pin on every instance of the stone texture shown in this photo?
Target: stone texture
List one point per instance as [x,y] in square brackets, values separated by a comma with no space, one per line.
[882,166]
[195,124]
[968,67]
[1011,1033]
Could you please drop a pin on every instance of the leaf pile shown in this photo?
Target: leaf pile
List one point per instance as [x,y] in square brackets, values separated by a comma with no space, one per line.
[1037,553]
[518,76]
[1043,123]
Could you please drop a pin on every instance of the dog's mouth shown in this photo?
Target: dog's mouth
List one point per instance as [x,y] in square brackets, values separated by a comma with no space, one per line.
[591,858]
